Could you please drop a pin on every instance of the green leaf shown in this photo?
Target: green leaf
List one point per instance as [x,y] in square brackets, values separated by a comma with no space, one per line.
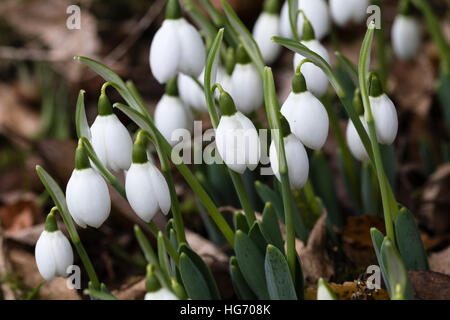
[193,280]
[240,286]
[409,242]
[163,259]
[324,291]
[80,118]
[99,295]
[207,28]
[370,193]
[388,155]
[293,17]
[202,268]
[240,223]
[396,272]
[35,291]
[245,37]
[350,67]
[278,276]
[377,240]
[444,96]
[256,235]
[270,226]
[251,264]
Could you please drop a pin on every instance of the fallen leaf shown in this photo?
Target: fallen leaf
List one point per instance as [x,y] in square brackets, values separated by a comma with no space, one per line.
[429,285]
[440,261]
[18,216]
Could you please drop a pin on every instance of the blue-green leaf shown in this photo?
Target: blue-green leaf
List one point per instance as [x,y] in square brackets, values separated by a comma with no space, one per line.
[256,235]
[240,223]
[409,241]
[270,226]
[370,193]
[278,276]
[240,286]
[193,280]
[82,125]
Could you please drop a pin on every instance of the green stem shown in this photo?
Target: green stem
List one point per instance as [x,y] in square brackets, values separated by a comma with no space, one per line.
[169,247]
[311,198]
[235,177]
[291,253]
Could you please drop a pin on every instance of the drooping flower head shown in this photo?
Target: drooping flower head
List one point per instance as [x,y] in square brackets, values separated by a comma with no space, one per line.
[405,32]
[353,139]
[345,12]
[266,26]
[53,252]
[176,47]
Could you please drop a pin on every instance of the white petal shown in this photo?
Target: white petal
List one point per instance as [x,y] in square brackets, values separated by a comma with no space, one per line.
[165,53]
[307,118]
[316,79]
[140,192]
[191,93]
[317,13]
[193,54]
[161,189]
[405,36]
[118,144]
[171,114]
[385,117]
[341,11]
[62,252]
[359,12]
[285,25]
[247,88]
[250,138]
[227,143]
[98,133]
[354,141]
[161,294]
[88,198]
[267,26]
[44,257]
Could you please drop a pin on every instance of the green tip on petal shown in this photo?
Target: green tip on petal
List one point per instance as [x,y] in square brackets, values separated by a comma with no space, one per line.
[271,6]
[308,30]
[81,157]
[230,61]
[151,281]
[50,223]
[357,102]
[104,106]
[172,87]
[285,127]
[298,83]
[173,10]
[226,104]
[376,89]
[140,150]
[241,55]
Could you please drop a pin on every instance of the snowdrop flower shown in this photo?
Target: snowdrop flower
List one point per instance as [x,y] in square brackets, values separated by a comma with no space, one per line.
[237,140]
[296,158]
[384,113]
[316,79]
[191,93]
[344,12]
[405,33]
[146,189]
[324,291]
[87,195]
[317,13]
[172,114]
[224,74]
[176,47]
[268,25]
[307,117]
[154,289]
[110,139]
[354,142]
[247,86]
[53,252]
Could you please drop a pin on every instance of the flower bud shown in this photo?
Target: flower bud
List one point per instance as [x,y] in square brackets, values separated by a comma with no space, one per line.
[154,289]
[405,35]
[191,93]
[53,252]
[354,141]
[268,25]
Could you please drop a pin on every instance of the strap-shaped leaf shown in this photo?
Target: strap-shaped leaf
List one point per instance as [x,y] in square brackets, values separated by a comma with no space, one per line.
[258,238]
[377,241]
[210,76]
[278,276]
[193,280]
[240,222]
[324,291]
[81,122]
[251,264]
[240,286]
[293,17]
[396,272]
[270,226]
[370,192]
[409,241]
[245,37]
[162,257]
[203,269]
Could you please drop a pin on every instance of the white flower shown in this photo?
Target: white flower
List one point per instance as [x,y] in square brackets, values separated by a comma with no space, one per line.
[307,118]
[344,12]
[354,141]
[112,142]
[88,198]
[316,79]
[161,294]
[53,254]
[247,87]
[385,117]
[267,25]
[147,190]
[171,114]
[405,36]
[324,291]
[191,93]
[296,158]
[238,142]
[317,13]
[176,47]
[224,79]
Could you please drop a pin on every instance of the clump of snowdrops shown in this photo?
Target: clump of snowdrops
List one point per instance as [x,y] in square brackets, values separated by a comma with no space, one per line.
[228,78]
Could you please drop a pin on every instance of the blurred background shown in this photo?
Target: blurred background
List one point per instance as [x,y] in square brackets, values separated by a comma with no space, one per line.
[39,84]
